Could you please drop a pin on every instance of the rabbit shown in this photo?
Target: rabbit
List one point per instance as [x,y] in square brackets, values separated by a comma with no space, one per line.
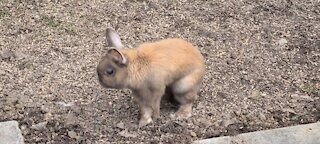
[151,68]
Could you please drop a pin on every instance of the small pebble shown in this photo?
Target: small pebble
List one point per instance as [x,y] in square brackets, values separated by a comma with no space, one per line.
[126,134]
[72,134]
[71,119]
[39,126]
[262,116]
[120,125]
[6,54]
[193,134]
[282,41]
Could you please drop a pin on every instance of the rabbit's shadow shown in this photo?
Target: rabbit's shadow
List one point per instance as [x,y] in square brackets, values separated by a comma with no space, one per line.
[168,102]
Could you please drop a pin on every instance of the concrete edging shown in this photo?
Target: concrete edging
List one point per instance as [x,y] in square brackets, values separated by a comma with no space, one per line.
[300,134]
[10,133]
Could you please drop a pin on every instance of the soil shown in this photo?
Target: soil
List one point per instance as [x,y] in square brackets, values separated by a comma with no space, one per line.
[262,60]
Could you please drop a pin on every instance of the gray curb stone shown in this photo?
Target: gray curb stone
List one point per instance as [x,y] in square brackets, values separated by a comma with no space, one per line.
[10,133]
[301,134]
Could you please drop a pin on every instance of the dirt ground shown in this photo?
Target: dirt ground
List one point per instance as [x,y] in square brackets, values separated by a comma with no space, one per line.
[262,60]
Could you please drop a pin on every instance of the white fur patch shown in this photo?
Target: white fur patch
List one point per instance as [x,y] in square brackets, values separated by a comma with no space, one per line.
[182,86]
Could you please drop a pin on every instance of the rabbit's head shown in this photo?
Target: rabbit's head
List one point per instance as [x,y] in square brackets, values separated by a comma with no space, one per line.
[112,68]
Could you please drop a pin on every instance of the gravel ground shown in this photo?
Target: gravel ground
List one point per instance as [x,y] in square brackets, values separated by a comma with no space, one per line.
[262,59]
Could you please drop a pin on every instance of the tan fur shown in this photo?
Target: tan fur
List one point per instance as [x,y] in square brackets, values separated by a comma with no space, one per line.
[152,67]
[168,60]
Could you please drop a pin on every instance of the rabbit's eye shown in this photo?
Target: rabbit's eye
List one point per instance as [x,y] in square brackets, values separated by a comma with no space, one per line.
[110,71]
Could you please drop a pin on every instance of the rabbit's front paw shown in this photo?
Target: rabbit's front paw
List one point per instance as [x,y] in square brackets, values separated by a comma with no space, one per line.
[144,121]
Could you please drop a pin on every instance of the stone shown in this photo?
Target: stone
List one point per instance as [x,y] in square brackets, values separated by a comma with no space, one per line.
[19,55]
[282,41]
[193,134]
[72,134]
[2,72]
[63,104]
[40,126]
[10,133]
[6,54]
[120,125]
[254,95]
[262,116]
[126,134]
[76,109]
[71,119]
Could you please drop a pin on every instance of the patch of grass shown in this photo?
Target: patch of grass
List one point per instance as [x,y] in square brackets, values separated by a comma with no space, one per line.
[53,22]
[50,21]
[310,88]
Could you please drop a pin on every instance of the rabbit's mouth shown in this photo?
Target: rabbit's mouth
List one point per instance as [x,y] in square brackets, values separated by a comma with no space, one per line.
[105,84]
[108,83]
[102,83]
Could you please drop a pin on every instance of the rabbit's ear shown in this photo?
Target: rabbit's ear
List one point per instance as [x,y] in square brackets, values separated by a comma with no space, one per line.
[113,38]
[118,56]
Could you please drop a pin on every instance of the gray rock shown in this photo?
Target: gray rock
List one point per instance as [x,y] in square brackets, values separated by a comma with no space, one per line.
[282,41]
[126,134]
[63,104]
[255,95]
[19,55]
[39,126]
[6,54]
[262,116]
[72,134]
[120,125]
[2,72]
[193,134]
[71,119]
[302,134]
[10,133]
[76,109]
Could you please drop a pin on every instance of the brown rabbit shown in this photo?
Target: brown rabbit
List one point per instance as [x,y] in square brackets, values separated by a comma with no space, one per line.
[151,68]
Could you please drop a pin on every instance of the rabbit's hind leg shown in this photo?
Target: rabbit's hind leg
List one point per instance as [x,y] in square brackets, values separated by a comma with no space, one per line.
[185,92]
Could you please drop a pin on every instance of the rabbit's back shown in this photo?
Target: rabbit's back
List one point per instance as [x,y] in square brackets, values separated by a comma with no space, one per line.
[175,52]
[172,58]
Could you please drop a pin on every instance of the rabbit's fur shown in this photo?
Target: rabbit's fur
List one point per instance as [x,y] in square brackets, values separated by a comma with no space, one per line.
[149,69]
